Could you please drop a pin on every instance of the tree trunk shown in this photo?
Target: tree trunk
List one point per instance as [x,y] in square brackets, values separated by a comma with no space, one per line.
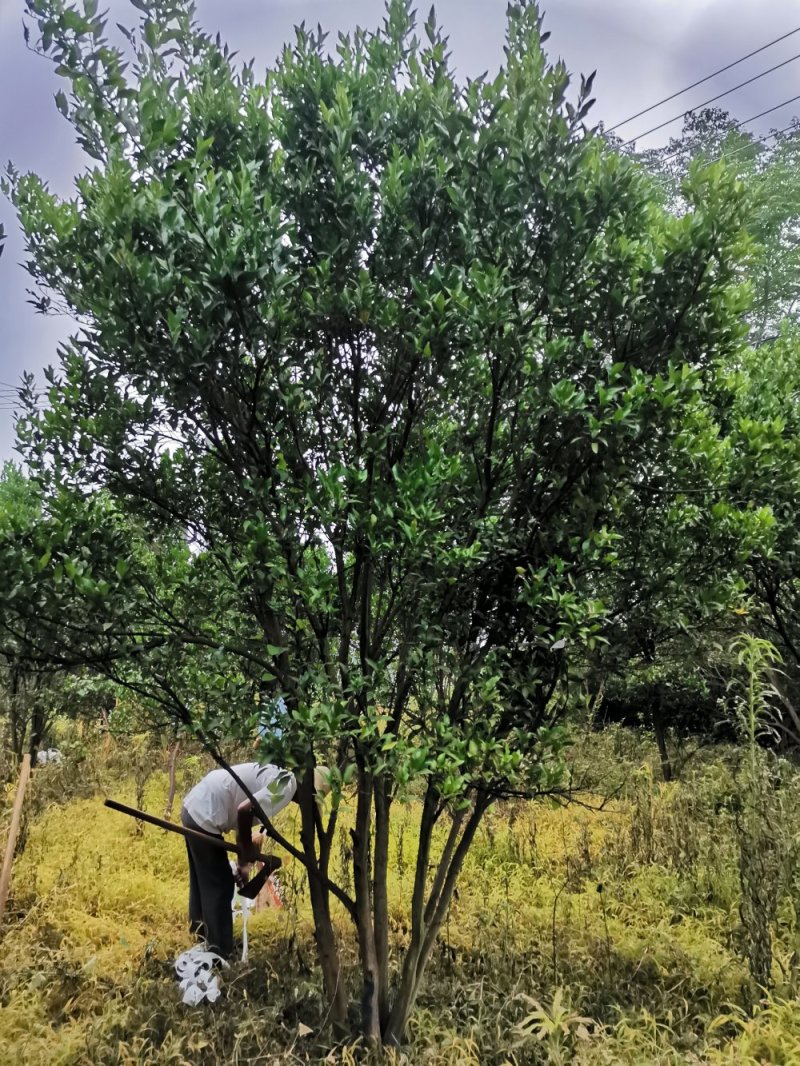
[319,895]
[173,758]
[661,740]
[328,955]
[422,942]
[380,895]
[370,997]
[16,718]
[37,727]
[401,1008]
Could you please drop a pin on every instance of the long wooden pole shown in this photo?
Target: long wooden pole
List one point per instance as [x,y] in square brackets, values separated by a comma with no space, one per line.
[249,889]
[13,832]
[194,834]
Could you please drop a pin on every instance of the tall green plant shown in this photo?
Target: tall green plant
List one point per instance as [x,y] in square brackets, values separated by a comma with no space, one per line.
[770,171]
[761,833]
[395,353]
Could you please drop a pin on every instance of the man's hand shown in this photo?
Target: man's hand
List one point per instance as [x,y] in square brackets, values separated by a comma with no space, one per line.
[247,853]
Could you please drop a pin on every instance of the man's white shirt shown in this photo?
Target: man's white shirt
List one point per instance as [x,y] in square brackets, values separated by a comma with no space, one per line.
[213,804]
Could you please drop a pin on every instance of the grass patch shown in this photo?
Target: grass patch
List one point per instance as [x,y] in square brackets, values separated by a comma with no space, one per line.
[575,936]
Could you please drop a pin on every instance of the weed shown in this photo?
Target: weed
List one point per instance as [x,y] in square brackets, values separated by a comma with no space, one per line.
[761,841]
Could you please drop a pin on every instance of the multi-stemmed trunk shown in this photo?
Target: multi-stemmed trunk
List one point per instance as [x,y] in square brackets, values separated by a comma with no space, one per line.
[385,1011]
[429,909]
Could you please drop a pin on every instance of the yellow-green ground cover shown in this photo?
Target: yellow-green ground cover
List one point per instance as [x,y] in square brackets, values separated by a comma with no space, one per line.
[577,935]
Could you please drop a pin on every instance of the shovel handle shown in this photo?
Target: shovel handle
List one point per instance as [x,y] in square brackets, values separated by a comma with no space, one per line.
[206,838]
[250,889]
[192,834]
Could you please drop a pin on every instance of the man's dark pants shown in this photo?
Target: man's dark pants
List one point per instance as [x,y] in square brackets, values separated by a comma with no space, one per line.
[210,891]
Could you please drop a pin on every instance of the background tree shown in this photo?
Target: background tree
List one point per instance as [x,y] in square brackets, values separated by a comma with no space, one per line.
[765,428]
[680,583]
[58,554]
[394,354]
[24,691]
[770,171]
[756,407]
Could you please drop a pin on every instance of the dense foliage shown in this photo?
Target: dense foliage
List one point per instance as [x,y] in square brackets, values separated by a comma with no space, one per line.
[756,410]
[396,398]
[41,676]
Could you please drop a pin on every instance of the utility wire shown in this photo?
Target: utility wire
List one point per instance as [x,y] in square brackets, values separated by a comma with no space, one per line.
[738,125]
[708,77]
[759,140]
[712,100]
[768,111]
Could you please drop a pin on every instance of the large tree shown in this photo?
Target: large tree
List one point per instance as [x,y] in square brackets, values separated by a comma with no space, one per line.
[67,581]
[394,353]
[26,692]
[765,435]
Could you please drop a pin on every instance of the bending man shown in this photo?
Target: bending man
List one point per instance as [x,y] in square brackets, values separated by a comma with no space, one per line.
[218,805]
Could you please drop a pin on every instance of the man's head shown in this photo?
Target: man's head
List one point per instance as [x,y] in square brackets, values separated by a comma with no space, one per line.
[322,782]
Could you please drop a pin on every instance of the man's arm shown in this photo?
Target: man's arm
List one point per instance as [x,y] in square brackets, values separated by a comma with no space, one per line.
[272,798]
[247,850]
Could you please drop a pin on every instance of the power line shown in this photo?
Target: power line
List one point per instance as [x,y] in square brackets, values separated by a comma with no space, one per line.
[708,77]
[768,111]
[738,125]
[759,140]
[712,100]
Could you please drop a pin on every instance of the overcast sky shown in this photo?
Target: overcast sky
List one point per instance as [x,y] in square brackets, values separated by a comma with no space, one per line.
[643,50]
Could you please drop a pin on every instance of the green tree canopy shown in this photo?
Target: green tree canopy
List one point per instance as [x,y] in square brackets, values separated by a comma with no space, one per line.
[49,632]
[395,354]
[756,406]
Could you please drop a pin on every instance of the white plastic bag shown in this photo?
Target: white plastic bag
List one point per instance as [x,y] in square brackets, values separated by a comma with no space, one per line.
[195,970]
[242,905]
